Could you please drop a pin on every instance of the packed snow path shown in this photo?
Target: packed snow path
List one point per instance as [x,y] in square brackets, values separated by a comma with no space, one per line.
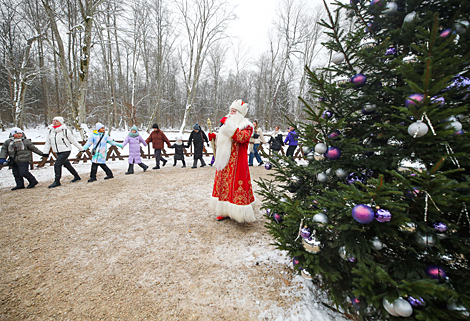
[141,247]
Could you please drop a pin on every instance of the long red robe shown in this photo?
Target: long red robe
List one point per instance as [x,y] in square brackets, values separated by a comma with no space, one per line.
[232,194]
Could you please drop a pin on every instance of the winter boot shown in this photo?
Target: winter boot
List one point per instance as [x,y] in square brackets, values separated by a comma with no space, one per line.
[32,184]
[76,178]
[156,167]
[109,177]
[194,164]
[144,167]
[55,184]
[130,170]
[92,179]
[164,162]
[17,187]
[202,163]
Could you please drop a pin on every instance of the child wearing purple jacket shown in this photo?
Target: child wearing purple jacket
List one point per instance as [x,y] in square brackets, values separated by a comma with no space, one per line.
[134,140]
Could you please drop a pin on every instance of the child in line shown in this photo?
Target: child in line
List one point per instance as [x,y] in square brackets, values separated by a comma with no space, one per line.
[134,139]
[18,148]
[179,151]
[99,140]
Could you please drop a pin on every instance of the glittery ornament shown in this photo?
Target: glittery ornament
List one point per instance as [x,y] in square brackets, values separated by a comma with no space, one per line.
[440,227]
[417,303]
[311,245]
[383,215]
[268,166]
[327,114]
[306,150]
[414,100]
[436,272]
[402,307]
[322,178]
[363,214]
[278,217]
[321,148]
[354,177]
[359,80]
[337,58]
[333,153]
[340,173]
[305,232]
[438,100]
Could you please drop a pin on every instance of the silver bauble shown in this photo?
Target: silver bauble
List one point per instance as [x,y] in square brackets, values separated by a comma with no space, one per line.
[368,43]
[322,178]
[402,307]
[328,172]
[418,129]
[390,9]
[306,149]
[311,156]
[370,107]
[410,58]
[337,58]
[320,218]
[376,243]
[340,173]
[389,307]
[311,245]
[410,17]
[425,240]
[321,148]
[455,125]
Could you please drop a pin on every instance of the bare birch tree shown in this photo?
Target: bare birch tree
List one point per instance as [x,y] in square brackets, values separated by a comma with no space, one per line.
[204,23]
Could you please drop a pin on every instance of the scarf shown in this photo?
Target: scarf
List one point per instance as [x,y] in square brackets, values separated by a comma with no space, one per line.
[16,145]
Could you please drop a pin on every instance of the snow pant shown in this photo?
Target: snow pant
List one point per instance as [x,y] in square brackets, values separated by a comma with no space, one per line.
[20,172]
[158,157]
[62,160]
[94,169]
[290,151]
[254,153]
[184,163]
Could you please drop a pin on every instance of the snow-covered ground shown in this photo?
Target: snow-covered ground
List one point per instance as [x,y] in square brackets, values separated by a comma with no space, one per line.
[307,306]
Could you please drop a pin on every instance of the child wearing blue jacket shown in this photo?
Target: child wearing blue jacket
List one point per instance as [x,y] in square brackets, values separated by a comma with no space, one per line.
[99,140]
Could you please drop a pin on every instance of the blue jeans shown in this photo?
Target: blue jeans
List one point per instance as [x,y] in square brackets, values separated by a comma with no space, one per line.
[255,154]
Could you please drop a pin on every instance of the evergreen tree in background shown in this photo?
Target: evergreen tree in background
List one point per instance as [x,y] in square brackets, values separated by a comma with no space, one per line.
[378,213]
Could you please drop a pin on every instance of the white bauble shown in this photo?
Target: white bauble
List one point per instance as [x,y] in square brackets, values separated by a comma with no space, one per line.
[321,148]
[390,9]
[410,17]
[306,149]
[455,125]
[389,307]
[311,245]
[320,218]
[370,107]
[341,173]
[377,244]
[322,177]
[337,58]
[328,172]
[418,129]
[311,156]
[402,307]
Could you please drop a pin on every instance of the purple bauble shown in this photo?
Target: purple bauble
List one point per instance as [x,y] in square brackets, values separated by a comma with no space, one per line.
[383,216]
[268,166]
[416,303]
[438,100]
[440,227]
[413,99]
[356,302]
[333,153]
[268,212]
[353,177]
[327,114]
[391,51]
[460,132]
[359,80]
[445,33]
[363,214]
[278,217]
[436,272]
[305,232]
[375,2]
[334,135]
[296,263]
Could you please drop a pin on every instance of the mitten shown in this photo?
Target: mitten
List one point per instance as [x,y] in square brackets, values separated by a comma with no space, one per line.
[119,145]
[208,145]
[3,161]
[223,120]
[212,136]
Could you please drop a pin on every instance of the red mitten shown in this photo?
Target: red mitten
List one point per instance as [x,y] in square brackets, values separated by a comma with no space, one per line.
[223,120]
[211,136]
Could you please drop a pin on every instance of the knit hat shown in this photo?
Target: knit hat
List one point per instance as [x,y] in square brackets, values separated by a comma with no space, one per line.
[155,126]
[59,119]
[131,134]
[99,126]
[240,106]
[16,130]
[196,127]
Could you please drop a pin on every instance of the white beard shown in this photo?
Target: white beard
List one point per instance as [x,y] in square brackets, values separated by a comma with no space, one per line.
[224,140]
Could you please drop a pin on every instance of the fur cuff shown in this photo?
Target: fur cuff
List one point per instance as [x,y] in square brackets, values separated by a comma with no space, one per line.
[239,213]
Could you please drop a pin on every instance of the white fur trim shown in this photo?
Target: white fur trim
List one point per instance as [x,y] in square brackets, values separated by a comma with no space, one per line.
[239,213]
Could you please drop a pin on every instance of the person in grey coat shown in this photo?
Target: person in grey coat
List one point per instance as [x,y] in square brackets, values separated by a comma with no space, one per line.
[18,148]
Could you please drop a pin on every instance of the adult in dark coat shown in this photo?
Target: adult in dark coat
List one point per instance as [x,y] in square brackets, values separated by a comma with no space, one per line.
[18,148]
[276,140]
[198,137]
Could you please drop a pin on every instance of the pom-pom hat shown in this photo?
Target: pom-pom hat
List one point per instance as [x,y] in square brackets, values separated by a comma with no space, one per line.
[16,130]
[240,106]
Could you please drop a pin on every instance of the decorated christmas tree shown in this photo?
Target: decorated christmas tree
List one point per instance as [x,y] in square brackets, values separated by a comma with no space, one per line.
[378,212]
